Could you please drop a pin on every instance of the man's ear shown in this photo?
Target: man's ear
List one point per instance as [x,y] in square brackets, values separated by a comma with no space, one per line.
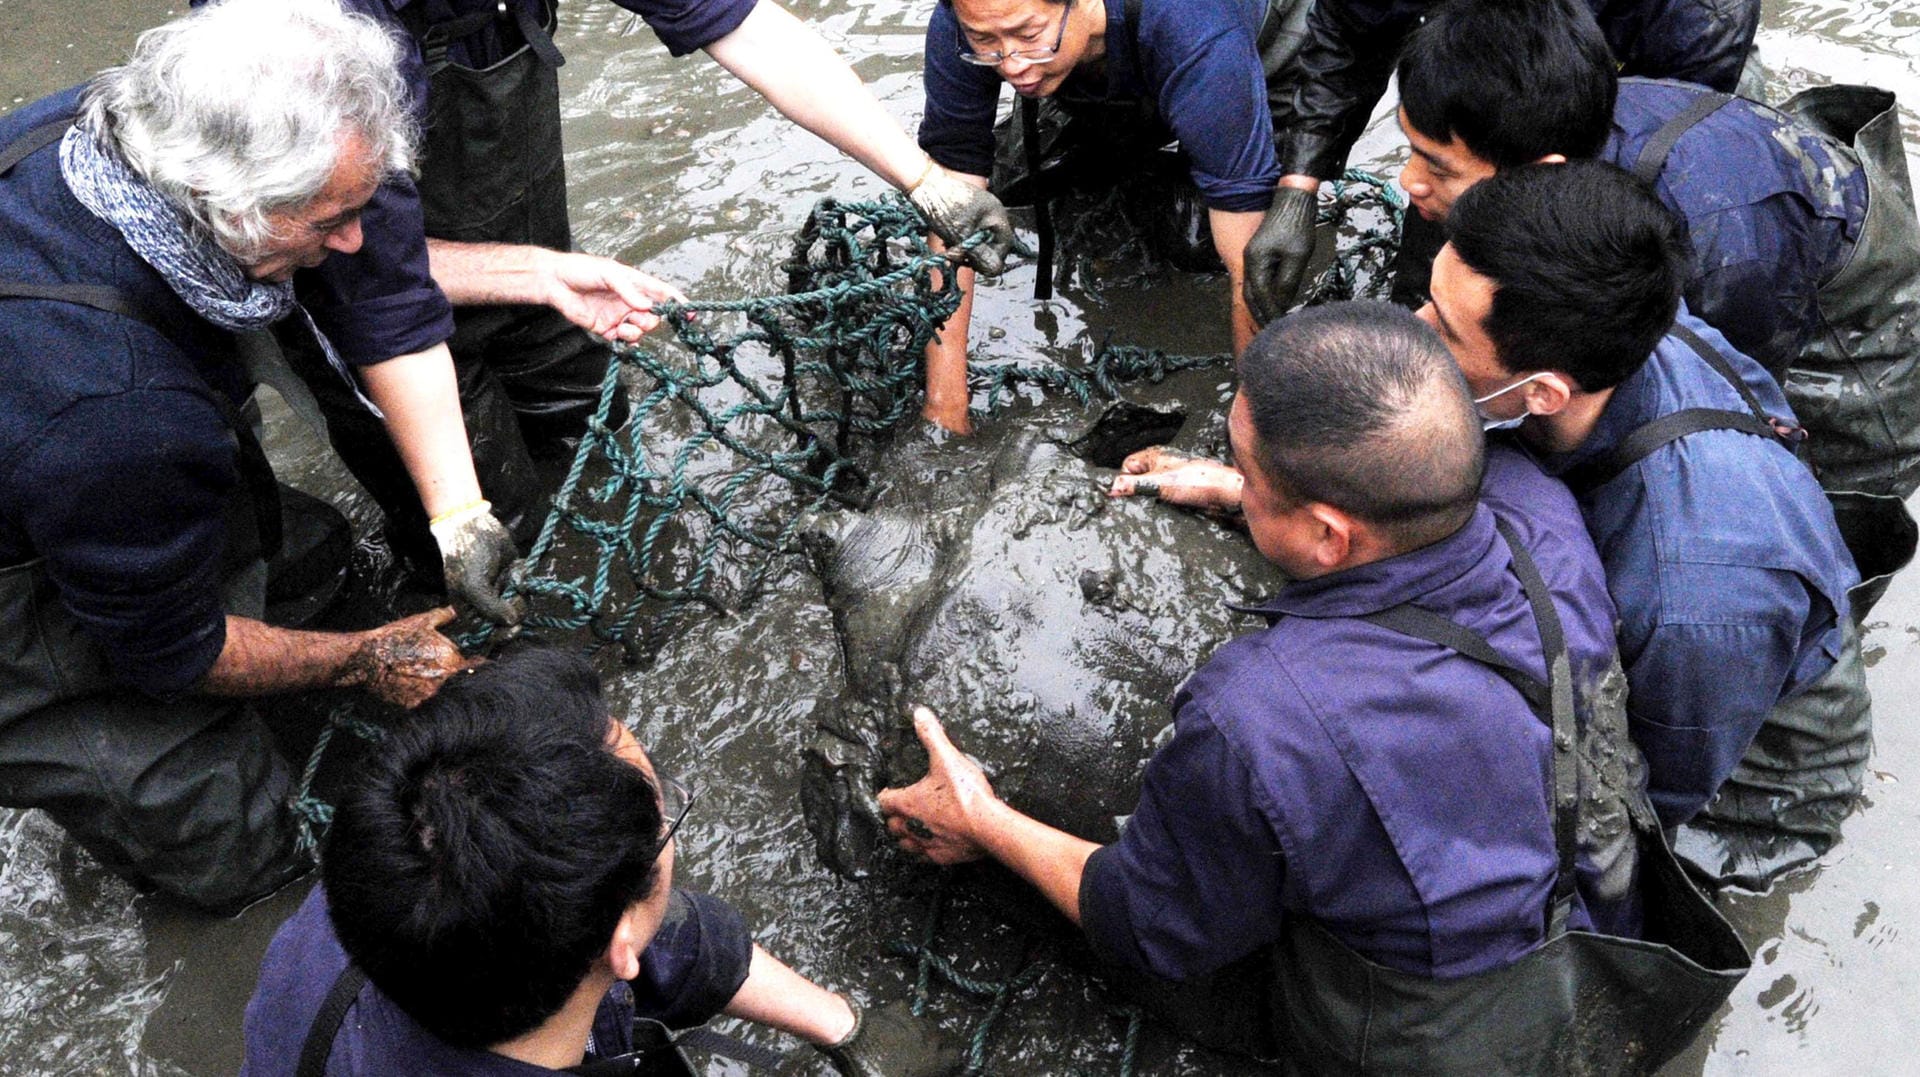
[1332,536]
[1548,395]
[1552,159]
[626,946]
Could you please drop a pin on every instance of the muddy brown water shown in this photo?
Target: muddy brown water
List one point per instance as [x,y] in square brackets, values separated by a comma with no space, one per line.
[676,167]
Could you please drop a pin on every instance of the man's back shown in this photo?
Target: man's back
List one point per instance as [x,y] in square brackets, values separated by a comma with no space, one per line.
[1319,767]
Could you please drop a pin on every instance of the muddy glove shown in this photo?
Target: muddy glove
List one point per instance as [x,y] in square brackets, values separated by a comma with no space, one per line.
[957,209]
[478,554]
[891,1042]
[1277,255]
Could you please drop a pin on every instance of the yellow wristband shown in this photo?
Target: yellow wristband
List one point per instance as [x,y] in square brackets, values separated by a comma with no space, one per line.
[480,505]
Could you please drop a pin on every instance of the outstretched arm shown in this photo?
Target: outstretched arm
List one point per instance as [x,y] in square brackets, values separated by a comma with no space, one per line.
[952,816]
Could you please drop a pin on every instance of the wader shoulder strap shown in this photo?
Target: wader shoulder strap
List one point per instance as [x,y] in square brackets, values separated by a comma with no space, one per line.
[436,38]
[1552,702]
[1653,155]
[255,472]
[1644,441]
[318,1047]
[1042,198]
[32,142]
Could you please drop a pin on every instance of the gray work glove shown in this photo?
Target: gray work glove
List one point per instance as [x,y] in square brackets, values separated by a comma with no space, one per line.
[1277,255]
[479,555]
[957,209]
[891,1042]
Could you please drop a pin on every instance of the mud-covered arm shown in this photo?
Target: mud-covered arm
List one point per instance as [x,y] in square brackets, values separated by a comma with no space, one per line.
[1195,880]
[403,663]
[1338,76]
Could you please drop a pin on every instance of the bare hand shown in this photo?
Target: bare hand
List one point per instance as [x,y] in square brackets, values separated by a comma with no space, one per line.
[1180,480]
[406,662]
[935,816]
[607,297]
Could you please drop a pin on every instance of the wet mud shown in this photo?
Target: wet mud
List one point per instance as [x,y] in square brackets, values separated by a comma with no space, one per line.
[993,583]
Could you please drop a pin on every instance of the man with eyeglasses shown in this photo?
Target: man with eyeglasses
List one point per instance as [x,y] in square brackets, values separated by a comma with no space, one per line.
[497,898]
[1197,64]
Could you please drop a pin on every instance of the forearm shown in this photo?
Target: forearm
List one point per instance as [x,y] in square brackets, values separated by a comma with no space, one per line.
[472,274]
[420,396]
[1231,231]
[948,396]
[1053,861]
[1341,72]
[259,659]
[779,997]
[790,65]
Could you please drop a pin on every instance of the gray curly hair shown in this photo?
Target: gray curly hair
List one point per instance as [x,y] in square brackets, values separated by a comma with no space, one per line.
[238,110]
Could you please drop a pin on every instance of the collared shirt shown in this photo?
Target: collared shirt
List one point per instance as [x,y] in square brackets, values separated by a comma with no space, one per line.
[1773,209]
[1318,767]
[116,466]
[689,971]
[1725,561]
[1352,46]
[1194,59]
[381,301]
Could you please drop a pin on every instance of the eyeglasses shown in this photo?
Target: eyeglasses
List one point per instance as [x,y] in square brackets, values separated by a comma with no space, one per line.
[675,800]
[1030,56]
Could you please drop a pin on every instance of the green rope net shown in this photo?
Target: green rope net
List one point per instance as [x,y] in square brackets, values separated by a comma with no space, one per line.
[736,434]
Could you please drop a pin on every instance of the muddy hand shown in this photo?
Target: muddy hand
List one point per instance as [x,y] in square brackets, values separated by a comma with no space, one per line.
[1153,458]
[406,662]
[934,816]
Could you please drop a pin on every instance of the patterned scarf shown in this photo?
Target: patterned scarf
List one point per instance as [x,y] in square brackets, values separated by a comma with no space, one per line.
[205,277]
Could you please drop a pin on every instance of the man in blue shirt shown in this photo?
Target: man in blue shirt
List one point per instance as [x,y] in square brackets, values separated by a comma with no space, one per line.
[468,279]
[498,899]
[1335,776]
[1805,246]
[1746,688]
[1196,66]
[144,225]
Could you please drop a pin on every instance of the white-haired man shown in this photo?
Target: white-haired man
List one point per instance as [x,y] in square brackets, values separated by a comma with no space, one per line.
[145,219]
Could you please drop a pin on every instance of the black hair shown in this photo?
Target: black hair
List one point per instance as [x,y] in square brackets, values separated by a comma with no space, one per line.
[1586,262]
[1515,80]
[485,855]
[1361,406]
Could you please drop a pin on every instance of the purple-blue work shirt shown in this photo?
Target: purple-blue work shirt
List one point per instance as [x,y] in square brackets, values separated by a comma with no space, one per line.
[688,972]
[1194,59]
[1773,209]
[1725,561]
[1390,789]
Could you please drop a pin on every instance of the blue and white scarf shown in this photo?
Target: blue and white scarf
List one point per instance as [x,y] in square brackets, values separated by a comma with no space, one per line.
[205,277]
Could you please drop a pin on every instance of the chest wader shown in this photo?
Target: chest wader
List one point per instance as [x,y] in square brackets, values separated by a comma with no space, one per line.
[491,171]
[1782,806]
[1087,138]
[185,795]
[1582,1003]
[658,1051]
[1856,388]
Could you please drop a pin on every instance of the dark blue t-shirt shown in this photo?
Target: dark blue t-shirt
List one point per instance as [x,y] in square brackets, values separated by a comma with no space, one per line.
[1317,767]
[1727,566]
[1773,209]
[116,463]
[1194,59]
[381,302]
[689,971]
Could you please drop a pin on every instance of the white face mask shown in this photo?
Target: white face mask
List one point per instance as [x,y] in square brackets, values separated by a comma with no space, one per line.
[1488,422]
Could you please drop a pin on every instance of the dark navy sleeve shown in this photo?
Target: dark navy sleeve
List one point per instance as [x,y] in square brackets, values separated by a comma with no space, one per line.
[1213,94]
[1712,685]
[1194,881]
[128,495]
[686,26]
[695,963]
[1757,279]
[1700,41]
[1338,76]
[380,301]
[957,127]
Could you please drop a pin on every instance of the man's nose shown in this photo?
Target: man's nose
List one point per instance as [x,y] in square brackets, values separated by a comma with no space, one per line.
[347,238]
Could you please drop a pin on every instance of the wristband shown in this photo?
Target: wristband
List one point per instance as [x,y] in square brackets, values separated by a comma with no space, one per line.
[471,508]
[924,173]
